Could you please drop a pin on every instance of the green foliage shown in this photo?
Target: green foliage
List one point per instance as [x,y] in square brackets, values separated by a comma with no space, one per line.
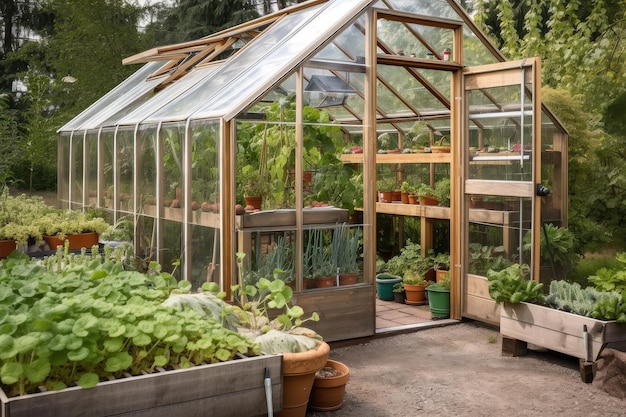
[92,319]
[410,260]
[612,279]
[557,246]
[482,258]
[512,285]
[572,297]
[345,249]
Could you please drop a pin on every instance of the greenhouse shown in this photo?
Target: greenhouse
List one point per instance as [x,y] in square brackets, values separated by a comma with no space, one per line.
[320,109]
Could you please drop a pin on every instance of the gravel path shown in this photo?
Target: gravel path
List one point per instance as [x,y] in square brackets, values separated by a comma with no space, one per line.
[458,370]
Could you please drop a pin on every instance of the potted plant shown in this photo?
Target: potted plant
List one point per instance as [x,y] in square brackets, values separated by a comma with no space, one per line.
[399,294]
[346,253]
[441,264]
[442,192]
[385,186]
[304,352]
[318,260]
[329,387]
[405,189]
[415,288]
[384,285]
[410,259]
[439,298]
[426,195]
[441,145]
[79,228]
[18,216]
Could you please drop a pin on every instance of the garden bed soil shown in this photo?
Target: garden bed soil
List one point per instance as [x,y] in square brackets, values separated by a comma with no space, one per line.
[458,370]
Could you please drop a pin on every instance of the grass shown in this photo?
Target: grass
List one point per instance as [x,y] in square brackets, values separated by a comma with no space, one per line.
[589,265]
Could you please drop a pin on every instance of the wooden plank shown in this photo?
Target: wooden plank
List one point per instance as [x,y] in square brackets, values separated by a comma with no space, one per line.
[478,286]
[346,312]
[400,158]
[481,309]
[163,394]
[557,330]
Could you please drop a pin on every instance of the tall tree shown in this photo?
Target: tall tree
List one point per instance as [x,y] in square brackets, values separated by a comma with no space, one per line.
[193,19]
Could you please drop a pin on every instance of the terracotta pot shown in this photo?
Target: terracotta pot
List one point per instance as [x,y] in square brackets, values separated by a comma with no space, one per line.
[328,392]
[413,199]
[348,279]
[440,149]
[308,283]
[385,196]
[441,274]
[298,374]
[254,201]
[6,247]
[396,196]
[429,201]
[326,282]
[415,294]
[76,241]
[404,198]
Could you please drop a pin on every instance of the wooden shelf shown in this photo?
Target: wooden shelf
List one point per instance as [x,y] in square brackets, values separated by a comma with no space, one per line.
[400,158]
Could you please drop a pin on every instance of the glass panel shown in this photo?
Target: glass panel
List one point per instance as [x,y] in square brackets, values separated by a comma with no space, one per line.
[172,259]
[500,134]
[64,168]
[92,169]
[78,143]
[280,54]
[112,96]
[173,137]
[498,226]
[416,40]
[170,92]
[205,193]
[146,241]
[125,170]
[107,143]
[147,170]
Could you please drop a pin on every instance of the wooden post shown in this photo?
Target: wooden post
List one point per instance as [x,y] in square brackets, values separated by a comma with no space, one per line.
[513,347]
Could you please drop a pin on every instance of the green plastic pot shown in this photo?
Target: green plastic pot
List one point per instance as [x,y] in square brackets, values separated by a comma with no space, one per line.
[439,302]
[384,286]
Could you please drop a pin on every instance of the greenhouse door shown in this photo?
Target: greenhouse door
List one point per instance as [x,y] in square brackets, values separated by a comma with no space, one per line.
[500,206]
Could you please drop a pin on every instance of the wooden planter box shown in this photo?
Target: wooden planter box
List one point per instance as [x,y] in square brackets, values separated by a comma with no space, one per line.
[234,388]
[558,330]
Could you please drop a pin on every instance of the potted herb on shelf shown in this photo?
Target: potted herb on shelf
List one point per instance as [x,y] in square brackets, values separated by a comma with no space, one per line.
[441,145]
[405,190]
[442,192]
[426,195]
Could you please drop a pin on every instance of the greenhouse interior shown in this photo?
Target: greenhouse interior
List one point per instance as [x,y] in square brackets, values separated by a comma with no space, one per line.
[334,113]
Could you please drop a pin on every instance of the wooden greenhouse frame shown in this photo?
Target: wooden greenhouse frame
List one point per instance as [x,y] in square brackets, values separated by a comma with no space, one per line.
[137,147]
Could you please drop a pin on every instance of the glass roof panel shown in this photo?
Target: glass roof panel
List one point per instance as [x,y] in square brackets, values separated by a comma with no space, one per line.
[113,96]
[309,30]
[249,65]
[165,96]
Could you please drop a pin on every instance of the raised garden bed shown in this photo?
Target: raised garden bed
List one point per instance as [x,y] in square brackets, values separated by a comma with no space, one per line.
[230,389]
[557,330]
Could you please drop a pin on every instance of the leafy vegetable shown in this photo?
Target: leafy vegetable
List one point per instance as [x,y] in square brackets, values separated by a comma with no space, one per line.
[511,285]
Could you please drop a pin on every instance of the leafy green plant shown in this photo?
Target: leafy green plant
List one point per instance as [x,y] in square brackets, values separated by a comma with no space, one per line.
[345,249]
[512,285]
[482,258]
[61,223]
[265,315]
[398,287]
[410,259]
[19,216]
[607,279]
[91,320]
[413,278]
[558,248]
[442,192]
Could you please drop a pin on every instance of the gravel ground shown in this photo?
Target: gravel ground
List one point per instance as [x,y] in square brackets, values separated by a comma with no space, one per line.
[458,370]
